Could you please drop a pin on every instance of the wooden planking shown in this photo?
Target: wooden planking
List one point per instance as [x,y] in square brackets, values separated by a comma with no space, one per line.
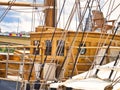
[91,46]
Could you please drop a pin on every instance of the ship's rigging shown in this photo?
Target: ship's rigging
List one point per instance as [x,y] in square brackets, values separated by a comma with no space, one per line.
[76,38]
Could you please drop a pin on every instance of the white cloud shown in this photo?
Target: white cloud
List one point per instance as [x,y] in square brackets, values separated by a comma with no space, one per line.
[25,18]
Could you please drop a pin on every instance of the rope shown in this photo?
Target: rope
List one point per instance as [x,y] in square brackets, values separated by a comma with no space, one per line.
[63,36]
[104,4]
[37,48]
[79,49]
[104,43]
[65,32]
[7,10]
[116,71]
[110,87]
[52,37]
[98,46]
[99,5]
[116,62]
[70,48]
[33,16]
[109,7]
[113,9]
[67,25]
[79,12]
[108,48]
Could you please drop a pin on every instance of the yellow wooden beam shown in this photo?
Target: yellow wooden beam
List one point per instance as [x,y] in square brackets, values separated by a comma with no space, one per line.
[26,4]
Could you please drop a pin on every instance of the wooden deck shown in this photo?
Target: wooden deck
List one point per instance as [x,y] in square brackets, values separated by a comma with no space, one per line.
[14,40]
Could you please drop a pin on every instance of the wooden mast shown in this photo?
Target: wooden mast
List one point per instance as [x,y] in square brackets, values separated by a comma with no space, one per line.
[50,13]
[26,4]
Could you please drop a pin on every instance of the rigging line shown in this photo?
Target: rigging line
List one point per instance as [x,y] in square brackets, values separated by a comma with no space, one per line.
[106,38]
[26,11]
[41,37]
[7,10]
[116,60]
[104,4]
[41,69]
[99,4]
[33,16]
[116,71]
[97,50]
[36,50]
[59,4]
[79,7]
[33,22]
[43,23]
[63,36]
[115,75]
[79,11]
[108,47]
[99,44]
[94,60]
[112,84]
[70,48]
[54,13]
[103,45]
[59,49]
[116,81]
[69,20]
[78,53]
[52,37]
[61,12]
[67,25]
[113,9]
[40,15]
[109,7]
[99,40]
[79,49]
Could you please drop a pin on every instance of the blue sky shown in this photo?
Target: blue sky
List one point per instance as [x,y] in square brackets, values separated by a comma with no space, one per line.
[13,18]
[17,19]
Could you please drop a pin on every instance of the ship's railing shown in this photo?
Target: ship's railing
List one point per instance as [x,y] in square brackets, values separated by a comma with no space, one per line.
[15,63]
[25,56]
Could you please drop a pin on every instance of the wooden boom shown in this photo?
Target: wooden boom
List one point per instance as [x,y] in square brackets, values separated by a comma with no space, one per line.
[26,4]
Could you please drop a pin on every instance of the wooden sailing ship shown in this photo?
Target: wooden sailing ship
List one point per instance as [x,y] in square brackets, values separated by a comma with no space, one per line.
[59,53]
